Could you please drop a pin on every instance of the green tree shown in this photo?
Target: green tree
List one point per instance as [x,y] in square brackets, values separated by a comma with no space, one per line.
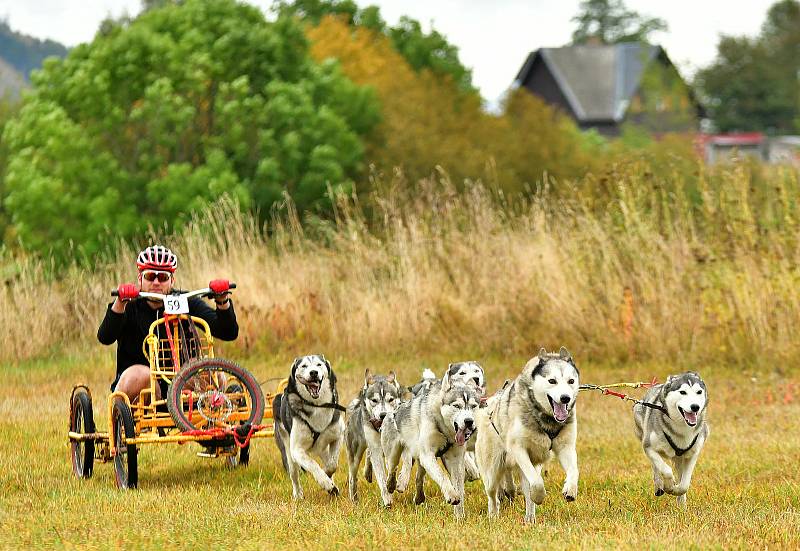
[753,84]
[610,22]
[162,114]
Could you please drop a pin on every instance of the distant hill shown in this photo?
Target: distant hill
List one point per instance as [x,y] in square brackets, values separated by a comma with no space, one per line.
[26,53]
[11,81]
[19,55]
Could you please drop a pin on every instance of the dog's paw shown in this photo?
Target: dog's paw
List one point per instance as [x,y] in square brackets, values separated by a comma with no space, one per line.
[570,493]
[538,494]
[681,500]
[387,501]
[451,496]
[333,491]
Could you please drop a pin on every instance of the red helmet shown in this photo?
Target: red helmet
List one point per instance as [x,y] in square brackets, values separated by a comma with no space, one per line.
[157,257]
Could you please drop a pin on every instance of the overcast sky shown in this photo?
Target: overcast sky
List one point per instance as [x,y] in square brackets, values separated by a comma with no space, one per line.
[493,36]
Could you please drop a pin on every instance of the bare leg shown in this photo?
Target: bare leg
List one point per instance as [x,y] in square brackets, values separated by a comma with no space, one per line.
[133,380]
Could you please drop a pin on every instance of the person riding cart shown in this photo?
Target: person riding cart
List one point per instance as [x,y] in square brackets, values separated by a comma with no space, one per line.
[127,321]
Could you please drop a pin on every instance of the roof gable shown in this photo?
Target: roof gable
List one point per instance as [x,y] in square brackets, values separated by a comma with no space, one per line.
[598,81]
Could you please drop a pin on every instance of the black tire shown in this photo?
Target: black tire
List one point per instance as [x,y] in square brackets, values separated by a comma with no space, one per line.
[126,473]
[81,420]
[183,381]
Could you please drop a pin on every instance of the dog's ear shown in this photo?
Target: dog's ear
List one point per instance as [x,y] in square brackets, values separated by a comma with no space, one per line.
[391,378]
[446,380]
[367,378]
[453,368]
[295,365]
[564,354]
[331,374]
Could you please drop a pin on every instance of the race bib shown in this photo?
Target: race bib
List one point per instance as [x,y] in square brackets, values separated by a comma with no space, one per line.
[176,305]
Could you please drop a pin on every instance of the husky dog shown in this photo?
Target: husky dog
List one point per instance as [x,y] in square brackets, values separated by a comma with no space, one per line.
[436,423]
[470,373]
[308,420]
[379,397]
[523,423]
[676,430]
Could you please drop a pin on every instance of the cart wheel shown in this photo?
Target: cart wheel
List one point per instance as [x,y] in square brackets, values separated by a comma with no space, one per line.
[214,393]
[125,462]
[81,420]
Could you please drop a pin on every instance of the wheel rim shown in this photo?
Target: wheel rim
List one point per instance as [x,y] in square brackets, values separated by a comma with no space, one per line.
[121,459]
[78,448]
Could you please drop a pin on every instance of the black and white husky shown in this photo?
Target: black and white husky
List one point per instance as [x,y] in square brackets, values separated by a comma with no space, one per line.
[378,398]
[437,422]
[308,420]
[675,431]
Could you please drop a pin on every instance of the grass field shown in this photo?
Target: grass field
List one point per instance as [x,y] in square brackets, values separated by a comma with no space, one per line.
[745,492]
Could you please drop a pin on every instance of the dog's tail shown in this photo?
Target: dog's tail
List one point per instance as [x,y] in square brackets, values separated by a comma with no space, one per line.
[428,374]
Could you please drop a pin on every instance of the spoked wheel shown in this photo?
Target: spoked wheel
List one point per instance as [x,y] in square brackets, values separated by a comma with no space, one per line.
[81,420]
[213,393]
[126,471]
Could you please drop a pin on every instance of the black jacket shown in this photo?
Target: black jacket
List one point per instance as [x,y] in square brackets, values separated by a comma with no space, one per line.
[130,328]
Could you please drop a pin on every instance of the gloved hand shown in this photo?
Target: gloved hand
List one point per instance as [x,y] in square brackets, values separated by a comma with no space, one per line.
[220,287]
[127,291]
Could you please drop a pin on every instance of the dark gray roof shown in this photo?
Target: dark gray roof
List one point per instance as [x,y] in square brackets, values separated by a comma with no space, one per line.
[598,81]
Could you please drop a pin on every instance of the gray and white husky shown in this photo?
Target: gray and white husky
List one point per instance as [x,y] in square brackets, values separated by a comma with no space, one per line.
[470,373]
[523,423]
[308,420]
[675,431]
[378,398]
[436,423]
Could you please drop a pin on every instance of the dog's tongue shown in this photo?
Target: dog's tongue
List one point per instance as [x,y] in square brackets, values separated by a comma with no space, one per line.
[691,417]
[560,411]
[376,423]
[461,436]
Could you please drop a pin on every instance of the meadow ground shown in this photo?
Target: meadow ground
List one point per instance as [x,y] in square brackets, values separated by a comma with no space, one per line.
[745,492]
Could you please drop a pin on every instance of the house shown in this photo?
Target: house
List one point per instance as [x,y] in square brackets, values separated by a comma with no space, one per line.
[606,86]
[715,148]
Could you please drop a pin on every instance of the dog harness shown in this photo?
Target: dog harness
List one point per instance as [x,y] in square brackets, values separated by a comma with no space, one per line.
[446,448]
[680,451]
[314,433]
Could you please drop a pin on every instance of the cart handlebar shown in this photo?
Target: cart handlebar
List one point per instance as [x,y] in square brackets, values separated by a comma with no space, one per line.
[204,292]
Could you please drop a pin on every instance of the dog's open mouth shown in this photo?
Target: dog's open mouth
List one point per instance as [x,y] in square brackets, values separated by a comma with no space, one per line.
[463,434]
[560,411]
[689,416]
[313,387]
[376,423]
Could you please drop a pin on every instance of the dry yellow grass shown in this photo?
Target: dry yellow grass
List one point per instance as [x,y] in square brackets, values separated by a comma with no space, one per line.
[644,276]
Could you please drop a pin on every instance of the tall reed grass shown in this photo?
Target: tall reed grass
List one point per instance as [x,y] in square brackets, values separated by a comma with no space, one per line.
[636,262]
